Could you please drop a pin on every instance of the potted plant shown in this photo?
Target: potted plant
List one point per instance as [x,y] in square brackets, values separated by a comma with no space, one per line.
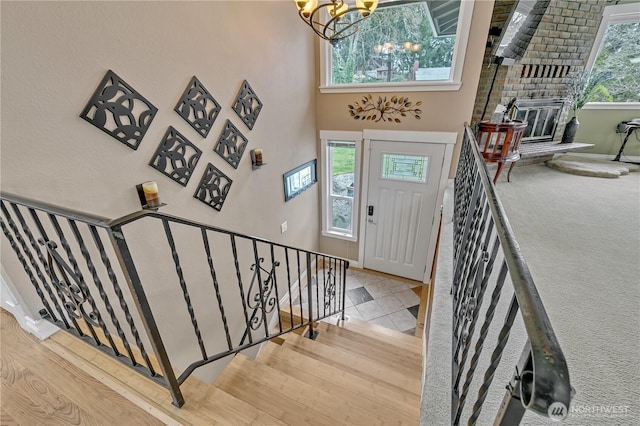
[582,88]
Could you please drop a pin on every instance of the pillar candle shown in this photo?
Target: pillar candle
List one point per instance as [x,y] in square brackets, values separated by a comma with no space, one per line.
[150,190]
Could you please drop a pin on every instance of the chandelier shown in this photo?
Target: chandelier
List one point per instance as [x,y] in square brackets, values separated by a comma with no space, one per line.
[340,23]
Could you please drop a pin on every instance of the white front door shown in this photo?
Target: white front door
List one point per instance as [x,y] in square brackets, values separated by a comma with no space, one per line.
[402,200]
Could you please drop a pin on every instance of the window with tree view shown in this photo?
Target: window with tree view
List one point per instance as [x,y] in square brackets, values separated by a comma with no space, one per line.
[616,67]
[340,166]
[401,42]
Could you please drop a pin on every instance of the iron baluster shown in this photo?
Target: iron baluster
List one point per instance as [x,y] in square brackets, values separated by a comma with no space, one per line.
[471,268]
[262,303]
[541,382]
[183,286]
[34,264]
[480,341]
[49,269]
[503,338]
[82,291]
[275,287]
[71,287]
[116,287]
[214,279]
[286,258]
[234,249]
[149,322]
[302,320]
[345,265]
[98,283]
[461,317]
[311,334]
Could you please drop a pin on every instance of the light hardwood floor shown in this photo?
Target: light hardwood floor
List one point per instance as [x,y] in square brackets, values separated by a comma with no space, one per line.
[38,387]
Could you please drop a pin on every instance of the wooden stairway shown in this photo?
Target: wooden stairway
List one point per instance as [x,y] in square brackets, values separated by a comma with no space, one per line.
[354,373]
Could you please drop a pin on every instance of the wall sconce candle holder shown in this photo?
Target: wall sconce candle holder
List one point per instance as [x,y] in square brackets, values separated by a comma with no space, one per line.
[256,159]
[148,195]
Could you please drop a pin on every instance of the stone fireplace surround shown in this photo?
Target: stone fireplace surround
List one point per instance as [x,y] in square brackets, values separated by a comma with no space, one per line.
[557,52]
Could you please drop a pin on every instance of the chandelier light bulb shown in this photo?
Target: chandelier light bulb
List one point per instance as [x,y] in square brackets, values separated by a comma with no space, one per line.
[366,7]
[306,7]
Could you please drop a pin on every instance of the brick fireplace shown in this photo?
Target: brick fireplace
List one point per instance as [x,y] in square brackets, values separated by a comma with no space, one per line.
[558,50]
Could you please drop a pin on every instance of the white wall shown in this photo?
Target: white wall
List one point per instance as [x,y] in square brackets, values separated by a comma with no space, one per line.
[54,54]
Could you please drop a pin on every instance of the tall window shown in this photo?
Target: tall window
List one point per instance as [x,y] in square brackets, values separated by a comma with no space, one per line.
[412,45]
[340,183]
[615,58]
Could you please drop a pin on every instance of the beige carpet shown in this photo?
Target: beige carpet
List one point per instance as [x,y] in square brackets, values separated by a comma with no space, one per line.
[590,167]
[581,239]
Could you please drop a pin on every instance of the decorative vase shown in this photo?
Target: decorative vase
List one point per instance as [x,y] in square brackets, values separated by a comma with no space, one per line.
[570,130]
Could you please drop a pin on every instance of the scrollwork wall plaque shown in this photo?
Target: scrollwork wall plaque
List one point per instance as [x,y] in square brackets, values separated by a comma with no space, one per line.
[213,188]
[119,110]
[231,144]
[198,107]
[385,109]
[176,157]
[247,105]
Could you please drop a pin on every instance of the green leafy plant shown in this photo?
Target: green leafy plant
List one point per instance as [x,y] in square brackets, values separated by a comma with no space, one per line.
[585,88]
[384,109]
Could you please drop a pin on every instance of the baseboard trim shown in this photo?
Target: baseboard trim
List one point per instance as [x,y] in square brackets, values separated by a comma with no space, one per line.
[40,328]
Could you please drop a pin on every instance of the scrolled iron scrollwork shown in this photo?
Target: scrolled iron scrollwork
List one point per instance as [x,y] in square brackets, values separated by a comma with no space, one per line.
[73,296]
[329,288]
[261,299]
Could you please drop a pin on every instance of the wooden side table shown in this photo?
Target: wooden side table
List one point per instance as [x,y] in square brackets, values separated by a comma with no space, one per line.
[500,142]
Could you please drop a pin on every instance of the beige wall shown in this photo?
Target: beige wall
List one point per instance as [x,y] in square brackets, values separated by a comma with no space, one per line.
[54,54]
[597,126]
[442,111]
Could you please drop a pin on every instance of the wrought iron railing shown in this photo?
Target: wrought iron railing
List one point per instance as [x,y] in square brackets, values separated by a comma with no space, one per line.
[235,291]
[486,255]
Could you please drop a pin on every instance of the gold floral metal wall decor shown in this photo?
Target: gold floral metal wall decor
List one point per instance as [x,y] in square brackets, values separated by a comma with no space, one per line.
[384,109]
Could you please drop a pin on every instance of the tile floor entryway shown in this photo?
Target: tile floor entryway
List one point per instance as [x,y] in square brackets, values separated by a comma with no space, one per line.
[377,298]
[383,300]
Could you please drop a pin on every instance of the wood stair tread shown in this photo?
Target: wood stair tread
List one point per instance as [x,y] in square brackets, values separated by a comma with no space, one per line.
[383,334]
[352,374]
[143,392]
[244,383]
[333,408]
[204,404]
[369,348]
[405,406]
[371,370]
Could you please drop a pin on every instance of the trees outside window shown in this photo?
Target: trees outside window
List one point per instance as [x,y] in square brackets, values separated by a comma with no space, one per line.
[396,44]
[615,59]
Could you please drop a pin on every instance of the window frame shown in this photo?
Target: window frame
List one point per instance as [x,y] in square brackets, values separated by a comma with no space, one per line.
[327,136]
[452,84]
[612,14]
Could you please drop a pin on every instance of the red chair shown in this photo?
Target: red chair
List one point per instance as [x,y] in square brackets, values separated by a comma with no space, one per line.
[500,142]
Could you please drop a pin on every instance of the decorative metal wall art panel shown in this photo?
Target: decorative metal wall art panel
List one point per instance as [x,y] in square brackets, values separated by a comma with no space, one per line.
[385,109]
[231,144]
[247,105]
[213,188]
[198,107]
[176,157]
[119,110]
